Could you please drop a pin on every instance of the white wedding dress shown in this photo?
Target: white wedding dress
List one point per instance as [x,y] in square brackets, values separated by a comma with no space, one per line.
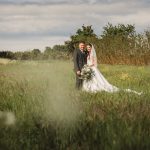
[98,82]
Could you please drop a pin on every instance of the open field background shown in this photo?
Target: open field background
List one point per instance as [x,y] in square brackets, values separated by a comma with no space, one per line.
[41,110]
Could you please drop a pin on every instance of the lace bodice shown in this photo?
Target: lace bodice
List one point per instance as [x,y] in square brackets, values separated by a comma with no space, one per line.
[89,62]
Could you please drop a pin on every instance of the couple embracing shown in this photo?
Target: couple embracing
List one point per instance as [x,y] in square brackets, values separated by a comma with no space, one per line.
[86,55]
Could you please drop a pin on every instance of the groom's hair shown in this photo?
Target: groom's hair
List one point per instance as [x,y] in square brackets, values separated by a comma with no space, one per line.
[81,42]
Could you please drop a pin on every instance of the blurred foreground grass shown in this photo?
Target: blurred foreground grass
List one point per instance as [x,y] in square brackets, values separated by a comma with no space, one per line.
[41,110]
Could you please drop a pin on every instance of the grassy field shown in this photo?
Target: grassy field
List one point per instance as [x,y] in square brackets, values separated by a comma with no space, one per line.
[41,110]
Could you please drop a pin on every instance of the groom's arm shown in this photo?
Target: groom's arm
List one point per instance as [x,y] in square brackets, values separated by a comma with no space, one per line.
[75,59]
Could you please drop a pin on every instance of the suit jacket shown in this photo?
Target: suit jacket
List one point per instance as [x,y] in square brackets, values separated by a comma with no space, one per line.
[80,59]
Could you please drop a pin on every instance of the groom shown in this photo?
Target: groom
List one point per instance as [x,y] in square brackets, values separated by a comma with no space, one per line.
[80,59]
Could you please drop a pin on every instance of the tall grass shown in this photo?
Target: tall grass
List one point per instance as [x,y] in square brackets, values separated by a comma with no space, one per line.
[48,113]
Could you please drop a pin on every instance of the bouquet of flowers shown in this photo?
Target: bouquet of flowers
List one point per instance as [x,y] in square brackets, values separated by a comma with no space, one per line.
[87,73]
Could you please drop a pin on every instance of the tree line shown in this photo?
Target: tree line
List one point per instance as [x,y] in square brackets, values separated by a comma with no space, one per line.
[118,44]
[56,52]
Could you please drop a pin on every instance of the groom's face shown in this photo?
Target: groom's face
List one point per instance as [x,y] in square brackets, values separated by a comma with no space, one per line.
[81,46]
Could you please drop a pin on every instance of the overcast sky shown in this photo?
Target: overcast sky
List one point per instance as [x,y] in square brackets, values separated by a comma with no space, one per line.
[28,24]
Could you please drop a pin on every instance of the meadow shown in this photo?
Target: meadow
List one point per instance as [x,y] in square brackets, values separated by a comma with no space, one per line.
[40,109]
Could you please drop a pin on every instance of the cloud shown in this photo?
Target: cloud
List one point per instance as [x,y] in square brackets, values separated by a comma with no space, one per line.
[78,2]
[45,2]
[61,18]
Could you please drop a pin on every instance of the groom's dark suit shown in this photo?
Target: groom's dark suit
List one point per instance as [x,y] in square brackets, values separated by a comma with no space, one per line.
[80,59]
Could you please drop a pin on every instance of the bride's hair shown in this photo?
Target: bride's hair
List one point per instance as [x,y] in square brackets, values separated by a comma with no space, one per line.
[89,44]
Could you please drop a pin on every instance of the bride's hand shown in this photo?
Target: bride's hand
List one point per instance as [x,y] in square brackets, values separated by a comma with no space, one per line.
[78,72]
[92,65]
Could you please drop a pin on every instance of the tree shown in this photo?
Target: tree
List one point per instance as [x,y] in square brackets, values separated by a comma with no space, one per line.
[35,53]
[118,39]
[7,54]
[86,33]
[147,33]
[59,48]
[47,50]
[122,30]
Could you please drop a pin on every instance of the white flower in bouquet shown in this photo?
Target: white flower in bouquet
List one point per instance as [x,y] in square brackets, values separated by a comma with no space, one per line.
[87,73]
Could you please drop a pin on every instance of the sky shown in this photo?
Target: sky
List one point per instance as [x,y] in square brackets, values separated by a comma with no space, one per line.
[29,24]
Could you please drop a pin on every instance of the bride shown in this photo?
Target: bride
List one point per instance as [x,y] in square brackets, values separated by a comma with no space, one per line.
[98,82]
